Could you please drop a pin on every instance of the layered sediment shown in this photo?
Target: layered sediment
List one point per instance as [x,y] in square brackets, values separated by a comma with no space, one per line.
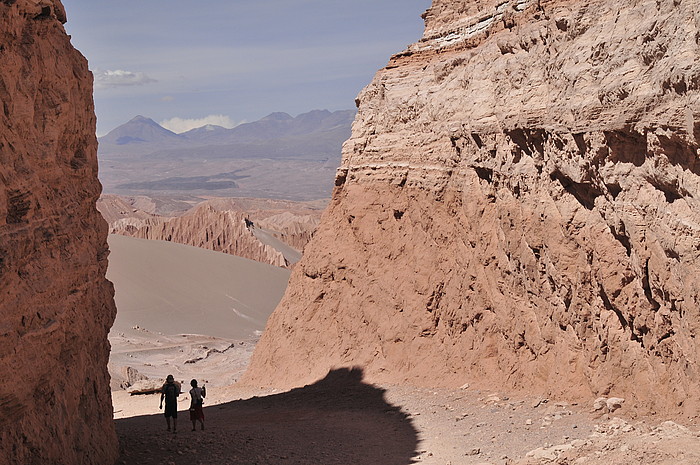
[517,207]
[56,305]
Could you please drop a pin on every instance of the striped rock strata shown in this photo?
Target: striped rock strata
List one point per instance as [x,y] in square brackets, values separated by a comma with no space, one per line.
[518,207]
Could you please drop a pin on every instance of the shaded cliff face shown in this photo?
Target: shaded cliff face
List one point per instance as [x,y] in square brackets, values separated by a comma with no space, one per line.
[56,305]
[518,207]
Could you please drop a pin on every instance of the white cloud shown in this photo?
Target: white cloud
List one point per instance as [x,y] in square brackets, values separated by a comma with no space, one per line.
[180,125]
[119,78]
[167,98]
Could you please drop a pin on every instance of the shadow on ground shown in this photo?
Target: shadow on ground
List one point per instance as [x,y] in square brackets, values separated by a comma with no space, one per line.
[337,420]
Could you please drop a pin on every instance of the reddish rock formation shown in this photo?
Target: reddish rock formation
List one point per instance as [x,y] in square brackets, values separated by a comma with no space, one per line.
[56,304]
[294,230]
[222,225]
[204,227]
[115,207]
[517,207]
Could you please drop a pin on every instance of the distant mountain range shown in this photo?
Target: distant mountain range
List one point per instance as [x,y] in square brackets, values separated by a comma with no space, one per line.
[142,135]
[137,131]
[279,156]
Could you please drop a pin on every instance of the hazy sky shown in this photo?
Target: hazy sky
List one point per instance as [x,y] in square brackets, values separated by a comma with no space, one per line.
[229,61]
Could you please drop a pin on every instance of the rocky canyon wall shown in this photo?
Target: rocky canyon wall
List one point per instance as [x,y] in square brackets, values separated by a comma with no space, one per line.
[56,306]
[518,207]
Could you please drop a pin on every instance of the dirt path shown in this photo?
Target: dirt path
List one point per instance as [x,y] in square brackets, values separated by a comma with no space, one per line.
[341,420]
[338,420]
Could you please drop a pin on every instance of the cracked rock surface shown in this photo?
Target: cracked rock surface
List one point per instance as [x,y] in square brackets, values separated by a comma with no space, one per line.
[517,207]
[56,306]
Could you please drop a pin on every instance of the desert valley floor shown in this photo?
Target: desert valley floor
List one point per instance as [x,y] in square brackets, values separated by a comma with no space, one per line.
[340,419]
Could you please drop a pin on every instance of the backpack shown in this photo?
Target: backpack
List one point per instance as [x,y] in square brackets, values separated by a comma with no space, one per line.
[171,392]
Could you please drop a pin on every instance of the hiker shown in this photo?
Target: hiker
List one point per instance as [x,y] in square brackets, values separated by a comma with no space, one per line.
[197,396]
[170,391]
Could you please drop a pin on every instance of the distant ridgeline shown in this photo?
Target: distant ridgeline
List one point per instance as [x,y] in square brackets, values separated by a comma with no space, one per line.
[271,231]
[279,156]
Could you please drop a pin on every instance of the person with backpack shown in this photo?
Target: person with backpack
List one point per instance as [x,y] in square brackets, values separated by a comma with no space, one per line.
[197,396]
[170,391]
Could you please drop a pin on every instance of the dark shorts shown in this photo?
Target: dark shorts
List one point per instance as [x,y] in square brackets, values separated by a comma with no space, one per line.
[196,413]
[171,410]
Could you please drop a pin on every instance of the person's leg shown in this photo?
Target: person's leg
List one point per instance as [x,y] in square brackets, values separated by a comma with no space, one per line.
[167,420]
[174,424]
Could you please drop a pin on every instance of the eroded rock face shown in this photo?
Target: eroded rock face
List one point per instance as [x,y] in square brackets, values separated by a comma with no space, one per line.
[517,207]
[56,306]
[274,239]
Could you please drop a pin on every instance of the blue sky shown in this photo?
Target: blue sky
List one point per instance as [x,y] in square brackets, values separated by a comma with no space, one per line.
[226,62]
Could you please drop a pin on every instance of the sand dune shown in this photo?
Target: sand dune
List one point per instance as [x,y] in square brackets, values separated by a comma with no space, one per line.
[183,310]
[177,289]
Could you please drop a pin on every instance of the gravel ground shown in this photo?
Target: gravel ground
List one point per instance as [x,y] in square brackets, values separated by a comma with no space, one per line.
[342,420]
